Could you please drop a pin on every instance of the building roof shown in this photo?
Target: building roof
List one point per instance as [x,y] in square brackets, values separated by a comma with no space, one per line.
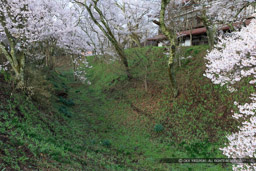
[246,22]
[196,31]
[158,38]
[193,32]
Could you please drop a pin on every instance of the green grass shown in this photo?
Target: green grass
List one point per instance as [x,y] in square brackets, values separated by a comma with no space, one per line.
[184,121]
[116,124]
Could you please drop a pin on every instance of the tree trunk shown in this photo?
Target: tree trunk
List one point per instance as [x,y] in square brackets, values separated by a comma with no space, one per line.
[20,77]
[211,32]
[191,36]
[47,57]
[136,39]
[171,37]
[121,54]
[171,71]
[51,57]
[17,62]
[19,70]
[16,58]
[145,80]
[105,28]
[74,66]
[210,29]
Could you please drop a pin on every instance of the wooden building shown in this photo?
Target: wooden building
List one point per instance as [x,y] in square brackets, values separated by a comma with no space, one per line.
[191,30]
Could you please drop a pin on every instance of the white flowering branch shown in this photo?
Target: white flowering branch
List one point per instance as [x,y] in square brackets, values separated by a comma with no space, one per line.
[232,59]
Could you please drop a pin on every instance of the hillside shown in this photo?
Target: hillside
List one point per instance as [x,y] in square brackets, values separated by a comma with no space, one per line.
[115,123]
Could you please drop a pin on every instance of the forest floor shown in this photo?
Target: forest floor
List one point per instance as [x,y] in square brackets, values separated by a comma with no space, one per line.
[116,124]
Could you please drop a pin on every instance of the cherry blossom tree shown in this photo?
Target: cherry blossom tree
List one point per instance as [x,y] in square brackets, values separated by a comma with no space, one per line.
[13,18]
[101,13]
[120,21]
[27,23]
[96,40]
[233,59]
[136,19]
[217,13]
[171,34]
[227,12]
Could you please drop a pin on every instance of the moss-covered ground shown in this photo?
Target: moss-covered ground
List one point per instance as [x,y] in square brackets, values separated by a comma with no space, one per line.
[119,124]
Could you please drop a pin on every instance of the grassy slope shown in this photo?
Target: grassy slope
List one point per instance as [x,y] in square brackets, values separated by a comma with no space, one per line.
[115,124]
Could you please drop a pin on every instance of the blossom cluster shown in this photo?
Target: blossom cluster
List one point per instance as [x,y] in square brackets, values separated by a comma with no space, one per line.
[81,64]
[4,66]
[35,26]
[228,11]
[232,59]
[128,20]
[31,21]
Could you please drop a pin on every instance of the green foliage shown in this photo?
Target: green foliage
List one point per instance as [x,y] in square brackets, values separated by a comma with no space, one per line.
[65,111]
[38,87]
[158,128]
[108,74]
[194,50]
[106,143]
[114,121]
[7,75]
[28,136]
[185,121]
[67,102]
[147,62]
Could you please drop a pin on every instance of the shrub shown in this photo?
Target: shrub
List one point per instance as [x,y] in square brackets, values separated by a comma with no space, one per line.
[67,102]
[106,143]
[39,88]
[65,111]
[158,128]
